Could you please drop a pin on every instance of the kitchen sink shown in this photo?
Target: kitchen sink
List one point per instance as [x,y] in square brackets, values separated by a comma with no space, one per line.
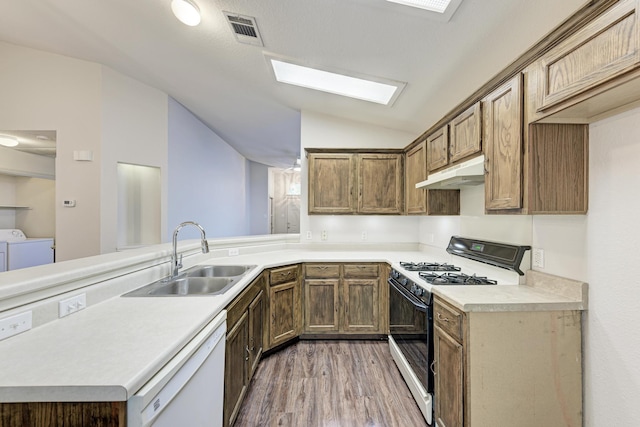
[195,281]
[195,286]
[218,270]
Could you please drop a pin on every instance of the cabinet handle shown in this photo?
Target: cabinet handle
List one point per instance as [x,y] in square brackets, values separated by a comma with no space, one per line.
[247,358]
[444,319]
[433,367]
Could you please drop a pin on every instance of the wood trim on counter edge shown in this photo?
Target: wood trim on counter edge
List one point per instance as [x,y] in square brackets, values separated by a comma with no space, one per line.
[568,27]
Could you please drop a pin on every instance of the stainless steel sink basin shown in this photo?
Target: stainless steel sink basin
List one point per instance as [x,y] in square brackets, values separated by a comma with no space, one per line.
[195,286]
[218,270]
[196,281]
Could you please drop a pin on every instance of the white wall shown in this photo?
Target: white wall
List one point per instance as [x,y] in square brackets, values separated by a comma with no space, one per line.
[134,130]
[321,131]
[258,198]
[41,90]
[600,248]
[207,179]
[7,198]
[39,195]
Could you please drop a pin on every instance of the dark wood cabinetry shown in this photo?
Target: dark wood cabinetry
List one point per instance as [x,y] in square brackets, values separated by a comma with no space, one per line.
[503,146]
[343,298]
[438,149]
[465,134]
[419,200]
[356,182]
[244,344]
[332,181]
[285,304]
[67,414]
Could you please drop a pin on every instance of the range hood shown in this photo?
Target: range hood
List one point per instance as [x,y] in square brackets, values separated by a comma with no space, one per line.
[466,173]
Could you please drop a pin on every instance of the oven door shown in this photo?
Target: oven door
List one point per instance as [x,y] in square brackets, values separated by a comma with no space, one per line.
[410,325]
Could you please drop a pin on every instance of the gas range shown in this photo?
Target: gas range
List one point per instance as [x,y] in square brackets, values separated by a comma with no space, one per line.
[411,303]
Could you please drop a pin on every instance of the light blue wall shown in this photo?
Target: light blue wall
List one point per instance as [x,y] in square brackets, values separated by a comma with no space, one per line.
[258,198]
[207,179]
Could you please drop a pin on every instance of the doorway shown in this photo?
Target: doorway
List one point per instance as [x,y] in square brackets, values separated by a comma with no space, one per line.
[284,200]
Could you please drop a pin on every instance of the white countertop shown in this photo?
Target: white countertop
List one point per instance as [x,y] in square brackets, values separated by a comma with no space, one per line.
[109,350]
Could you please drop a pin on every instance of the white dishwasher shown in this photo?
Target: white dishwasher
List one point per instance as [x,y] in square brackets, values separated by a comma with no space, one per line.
[188,391]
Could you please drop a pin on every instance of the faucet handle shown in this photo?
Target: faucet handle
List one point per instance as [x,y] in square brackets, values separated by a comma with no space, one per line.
[179,262]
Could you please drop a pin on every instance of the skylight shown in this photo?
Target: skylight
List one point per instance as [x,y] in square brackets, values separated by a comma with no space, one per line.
[433,5]
[372,90]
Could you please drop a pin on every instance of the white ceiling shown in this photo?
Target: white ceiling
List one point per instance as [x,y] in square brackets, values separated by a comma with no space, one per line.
[230,87]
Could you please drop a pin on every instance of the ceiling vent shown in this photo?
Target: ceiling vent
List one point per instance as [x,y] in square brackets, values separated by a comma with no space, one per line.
[244,28]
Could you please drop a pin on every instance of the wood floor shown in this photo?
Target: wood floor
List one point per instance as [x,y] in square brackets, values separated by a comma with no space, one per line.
[330,384]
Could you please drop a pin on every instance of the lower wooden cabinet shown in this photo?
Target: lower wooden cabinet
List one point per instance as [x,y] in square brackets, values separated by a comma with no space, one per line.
[68,414]
[343,298]
[245,319]
[507,368]
[285,306]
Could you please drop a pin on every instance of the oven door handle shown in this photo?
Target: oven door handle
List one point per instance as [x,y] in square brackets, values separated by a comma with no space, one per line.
[418,305]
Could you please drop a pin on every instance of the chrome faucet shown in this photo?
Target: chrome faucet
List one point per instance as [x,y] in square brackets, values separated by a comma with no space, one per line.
[176,263]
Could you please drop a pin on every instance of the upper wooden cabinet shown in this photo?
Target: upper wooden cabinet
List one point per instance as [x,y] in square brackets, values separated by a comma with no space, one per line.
[604,49]
[332,181]
[420,201]
[537,169]
[356,183]
[458,140]
[415,171]
[465,137]
[381,183]
[438,149]
[503,146]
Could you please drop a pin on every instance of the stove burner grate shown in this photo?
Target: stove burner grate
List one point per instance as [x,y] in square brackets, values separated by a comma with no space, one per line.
[455,279]
[428,266]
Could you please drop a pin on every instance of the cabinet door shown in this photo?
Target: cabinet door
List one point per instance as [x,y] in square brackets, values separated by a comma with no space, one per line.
[438,149]
[284,307]
[381,182]
[361,305]
[503,146]
[415,172]
[256,321]
[321,301]
[448,355]
[606,48]
[236,369]
[332,183]
[465,136]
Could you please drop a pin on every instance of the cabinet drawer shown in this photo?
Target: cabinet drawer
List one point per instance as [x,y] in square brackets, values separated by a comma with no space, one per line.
[283,275]
[322,271]
[448,319]
[361,270]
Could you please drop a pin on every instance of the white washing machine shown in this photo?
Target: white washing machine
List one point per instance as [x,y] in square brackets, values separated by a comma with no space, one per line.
[18,251]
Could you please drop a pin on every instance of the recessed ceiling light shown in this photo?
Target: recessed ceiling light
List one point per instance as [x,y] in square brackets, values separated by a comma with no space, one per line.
[186,11]
[8,141]
[433,5]
[376,90]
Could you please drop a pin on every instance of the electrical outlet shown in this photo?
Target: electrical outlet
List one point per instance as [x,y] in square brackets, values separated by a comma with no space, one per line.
[234,252]
[309,235]
[13,325]
[324,235]
[538,258]
[71,305]
[364,235]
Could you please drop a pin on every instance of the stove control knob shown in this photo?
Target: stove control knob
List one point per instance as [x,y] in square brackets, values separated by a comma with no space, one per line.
[413,288]
[419,292]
